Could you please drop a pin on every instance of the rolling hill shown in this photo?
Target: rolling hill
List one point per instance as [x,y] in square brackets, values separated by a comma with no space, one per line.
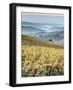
[31,40]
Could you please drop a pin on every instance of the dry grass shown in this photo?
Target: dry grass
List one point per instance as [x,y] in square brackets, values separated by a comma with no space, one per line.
[42,61]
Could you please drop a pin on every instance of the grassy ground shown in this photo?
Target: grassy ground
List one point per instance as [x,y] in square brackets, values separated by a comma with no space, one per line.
[41,57]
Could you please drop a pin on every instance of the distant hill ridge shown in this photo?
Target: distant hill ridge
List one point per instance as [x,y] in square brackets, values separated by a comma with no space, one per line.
[30,40]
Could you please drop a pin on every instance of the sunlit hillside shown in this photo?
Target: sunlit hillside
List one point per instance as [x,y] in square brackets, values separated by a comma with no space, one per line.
[41,57]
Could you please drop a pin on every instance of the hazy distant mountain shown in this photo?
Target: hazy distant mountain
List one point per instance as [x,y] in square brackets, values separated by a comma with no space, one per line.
[56,35]
[43,30]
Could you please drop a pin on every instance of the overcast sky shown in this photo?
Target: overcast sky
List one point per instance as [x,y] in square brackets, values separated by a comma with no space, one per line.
[57,19]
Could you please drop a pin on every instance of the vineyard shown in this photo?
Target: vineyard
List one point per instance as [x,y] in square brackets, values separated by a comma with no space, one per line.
[42,61]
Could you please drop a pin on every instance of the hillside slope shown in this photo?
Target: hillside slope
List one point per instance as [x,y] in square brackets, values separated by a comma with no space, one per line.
[30,40]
